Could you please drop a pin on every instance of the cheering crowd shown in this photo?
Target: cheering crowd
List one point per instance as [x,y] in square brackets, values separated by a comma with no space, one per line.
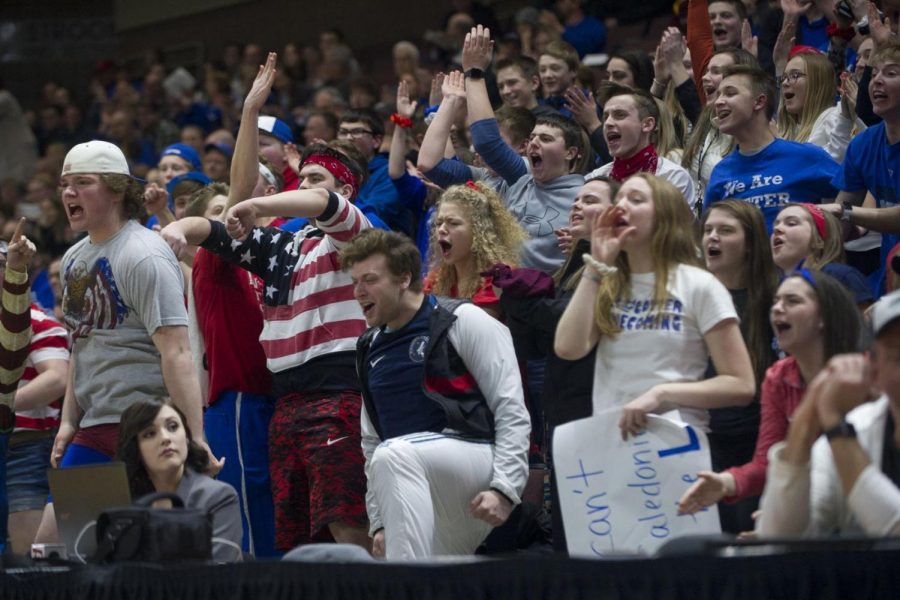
[364,311]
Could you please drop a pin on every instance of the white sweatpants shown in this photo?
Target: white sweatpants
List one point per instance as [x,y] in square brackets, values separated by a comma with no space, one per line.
[423,484]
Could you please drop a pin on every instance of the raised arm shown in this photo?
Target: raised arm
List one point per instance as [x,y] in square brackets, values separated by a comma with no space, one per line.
[309,203]
[405,110]
[699,40]
[434,145]
[245,162]
[477,50]
[189,231]
[495,152]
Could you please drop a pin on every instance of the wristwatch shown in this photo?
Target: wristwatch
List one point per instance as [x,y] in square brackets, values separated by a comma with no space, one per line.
[841,430]
[475,74]
[846,211]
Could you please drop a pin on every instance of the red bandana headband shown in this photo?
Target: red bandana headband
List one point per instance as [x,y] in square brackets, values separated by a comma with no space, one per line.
[339,170]
[818,217]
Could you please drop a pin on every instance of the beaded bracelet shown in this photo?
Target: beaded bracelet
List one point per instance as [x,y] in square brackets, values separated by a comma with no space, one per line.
[602,269]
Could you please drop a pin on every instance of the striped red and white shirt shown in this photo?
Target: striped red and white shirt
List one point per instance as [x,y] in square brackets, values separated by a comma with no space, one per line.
[49,341]
[308,306]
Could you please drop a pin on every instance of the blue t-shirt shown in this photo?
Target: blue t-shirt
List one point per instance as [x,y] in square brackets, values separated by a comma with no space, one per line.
[781,173]
[813,33]
[378,195]
[873,165]
[588,36]
[396,362]
[852,279]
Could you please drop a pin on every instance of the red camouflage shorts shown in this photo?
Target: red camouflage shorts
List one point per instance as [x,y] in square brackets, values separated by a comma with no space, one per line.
[316,465]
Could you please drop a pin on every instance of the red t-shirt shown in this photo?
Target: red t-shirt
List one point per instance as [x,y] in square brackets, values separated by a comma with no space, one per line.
[228,300]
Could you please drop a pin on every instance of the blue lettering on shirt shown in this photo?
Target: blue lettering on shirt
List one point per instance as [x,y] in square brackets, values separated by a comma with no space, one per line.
[644,315]
[780,173]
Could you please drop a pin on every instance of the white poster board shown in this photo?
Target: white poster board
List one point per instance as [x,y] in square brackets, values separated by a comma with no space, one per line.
[622,496]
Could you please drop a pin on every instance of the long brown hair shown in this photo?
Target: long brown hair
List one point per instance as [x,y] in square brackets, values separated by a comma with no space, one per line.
[761,278]
[674,242]
[135,419]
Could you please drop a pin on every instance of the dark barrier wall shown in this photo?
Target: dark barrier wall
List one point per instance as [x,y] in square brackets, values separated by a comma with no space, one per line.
[821,575]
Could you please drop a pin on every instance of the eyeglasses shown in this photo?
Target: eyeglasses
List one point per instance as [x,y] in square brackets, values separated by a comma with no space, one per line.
[792,77]
[353,133]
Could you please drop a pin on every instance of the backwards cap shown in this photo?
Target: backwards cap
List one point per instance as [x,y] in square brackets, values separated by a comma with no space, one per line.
[96,157]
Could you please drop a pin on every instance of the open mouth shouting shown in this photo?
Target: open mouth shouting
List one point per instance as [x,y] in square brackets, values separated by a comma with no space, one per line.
[777,244]
[713,251]
[781,327]
[720,35]
[613,141]
[367,308]
[446,248]
[74,210]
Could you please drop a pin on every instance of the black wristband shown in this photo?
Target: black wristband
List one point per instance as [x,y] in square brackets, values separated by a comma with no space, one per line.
[475,74]
[841,430]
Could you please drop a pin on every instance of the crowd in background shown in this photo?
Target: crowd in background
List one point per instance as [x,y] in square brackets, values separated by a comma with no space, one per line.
[738,182]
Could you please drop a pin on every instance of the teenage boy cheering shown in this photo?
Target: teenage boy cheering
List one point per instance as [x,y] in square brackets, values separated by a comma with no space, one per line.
[763,170]
[630,125]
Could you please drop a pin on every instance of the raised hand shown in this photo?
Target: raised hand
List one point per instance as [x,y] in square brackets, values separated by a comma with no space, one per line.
[436,95]
[156,199]
[405,106]
[849,90]
[749,42]
[794,8]
[20,250]
[454,85]
[784,43]
[661,65]
[292,155]
[583,107]
[477,49]
[262,85]
[880,32]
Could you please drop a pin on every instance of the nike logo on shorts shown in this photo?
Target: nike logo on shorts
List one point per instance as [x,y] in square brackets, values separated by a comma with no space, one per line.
[372,363]
[335,441]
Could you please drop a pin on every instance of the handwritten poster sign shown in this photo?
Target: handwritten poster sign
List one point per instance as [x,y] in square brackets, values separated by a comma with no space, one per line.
[622,496]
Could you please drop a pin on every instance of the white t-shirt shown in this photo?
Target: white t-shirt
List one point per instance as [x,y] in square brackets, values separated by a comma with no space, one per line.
[660,346]
[665,168]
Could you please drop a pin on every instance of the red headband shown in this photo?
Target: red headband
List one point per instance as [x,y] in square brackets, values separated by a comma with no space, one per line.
[818,217]
[801,49]
[339,170]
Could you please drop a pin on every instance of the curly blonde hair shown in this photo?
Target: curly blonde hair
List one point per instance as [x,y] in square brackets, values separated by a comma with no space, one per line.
[496,237]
